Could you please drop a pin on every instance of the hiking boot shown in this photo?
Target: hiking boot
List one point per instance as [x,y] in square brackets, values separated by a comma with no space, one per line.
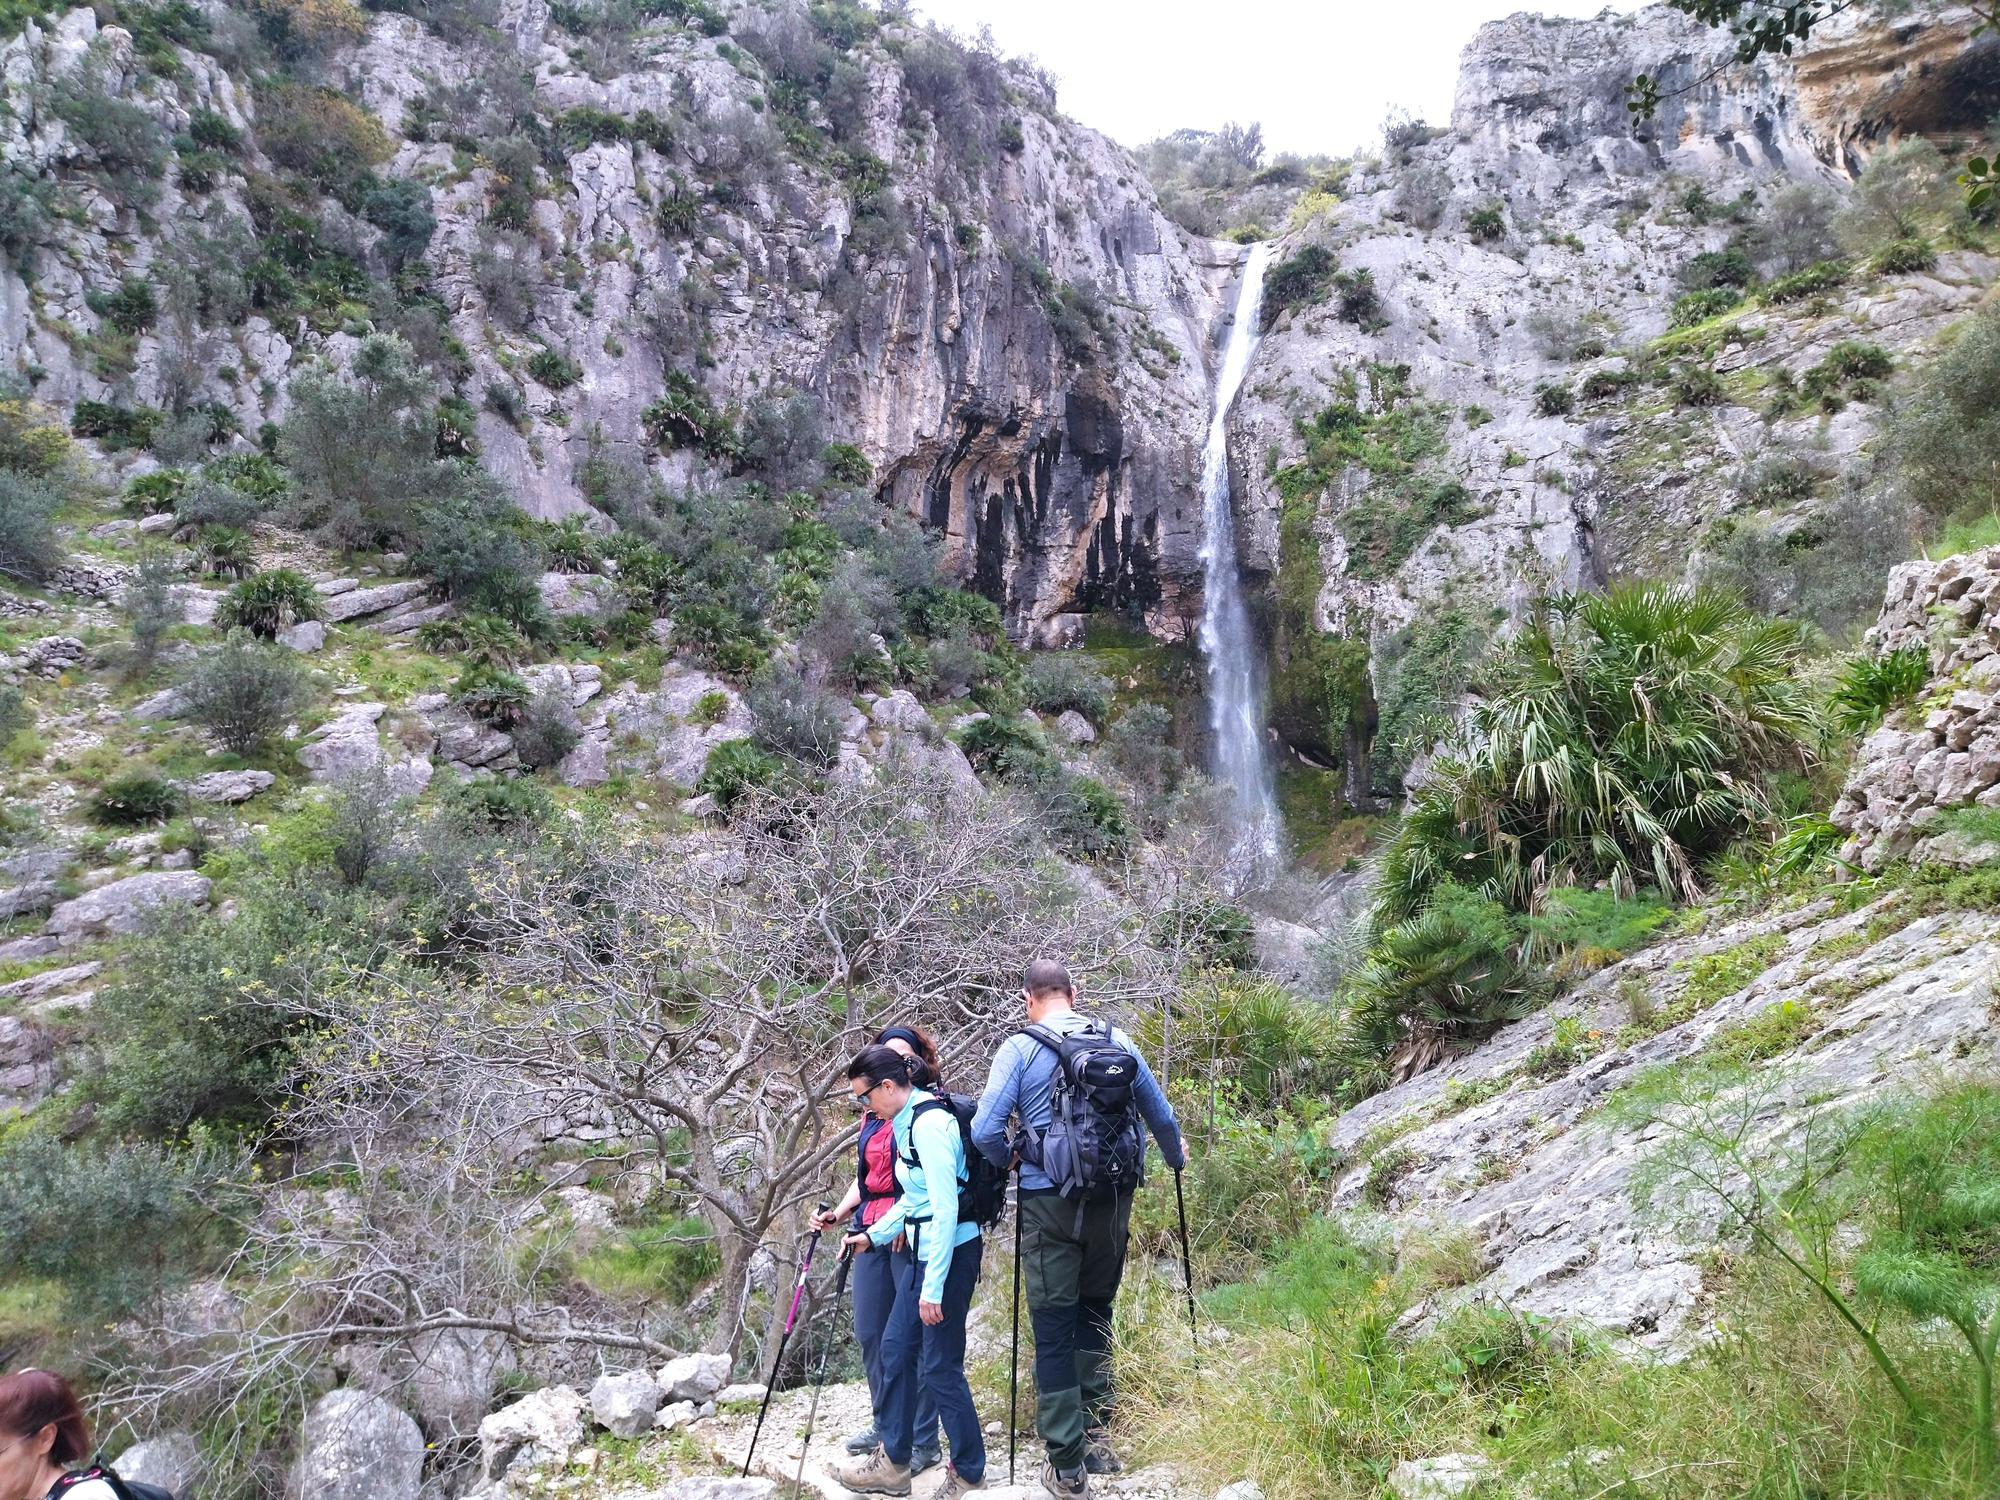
[1097,1455]
[956,1484]
[1064,1484]
[922,1458]
[864,1442]
[873,1474]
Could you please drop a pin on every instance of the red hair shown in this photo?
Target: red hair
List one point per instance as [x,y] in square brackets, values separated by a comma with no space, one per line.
[35,1399]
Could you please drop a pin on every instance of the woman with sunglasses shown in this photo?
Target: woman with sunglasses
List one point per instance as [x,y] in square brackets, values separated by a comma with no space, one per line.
[43,1438]
[933,1293]
[874,1276]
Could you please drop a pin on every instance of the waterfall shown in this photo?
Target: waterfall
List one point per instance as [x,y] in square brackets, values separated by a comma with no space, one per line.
[1235,667]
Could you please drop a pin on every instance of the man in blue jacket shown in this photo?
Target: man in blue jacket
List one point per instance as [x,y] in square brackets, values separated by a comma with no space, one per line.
[933,1291]
[1072,1251]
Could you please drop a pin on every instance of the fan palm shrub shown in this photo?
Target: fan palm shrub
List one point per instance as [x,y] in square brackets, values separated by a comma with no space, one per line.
[1631,735]
[269,602]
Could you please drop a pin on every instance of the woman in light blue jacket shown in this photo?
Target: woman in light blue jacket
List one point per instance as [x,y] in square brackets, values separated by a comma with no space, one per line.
[933,1295]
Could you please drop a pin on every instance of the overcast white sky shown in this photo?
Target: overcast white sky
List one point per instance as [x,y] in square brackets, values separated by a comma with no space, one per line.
[1319,74]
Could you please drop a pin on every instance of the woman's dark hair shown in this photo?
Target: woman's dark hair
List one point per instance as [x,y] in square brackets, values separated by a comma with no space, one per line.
[926,1071]
[879,1064]
[34,1399]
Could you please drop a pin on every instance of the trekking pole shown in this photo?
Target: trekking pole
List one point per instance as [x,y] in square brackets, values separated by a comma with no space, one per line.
[1014,1360]
[1187,1263]
[845,1262]
[791,1318]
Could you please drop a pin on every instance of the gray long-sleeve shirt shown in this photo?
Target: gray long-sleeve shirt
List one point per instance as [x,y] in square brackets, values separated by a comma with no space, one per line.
[1022,1084]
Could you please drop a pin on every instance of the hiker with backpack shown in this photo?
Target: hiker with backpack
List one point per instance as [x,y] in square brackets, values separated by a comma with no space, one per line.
[874,1192]
[946,1198]
[1082,1098]
[45,1446]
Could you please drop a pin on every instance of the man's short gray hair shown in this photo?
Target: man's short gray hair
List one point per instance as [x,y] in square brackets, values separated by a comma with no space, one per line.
[1047,976]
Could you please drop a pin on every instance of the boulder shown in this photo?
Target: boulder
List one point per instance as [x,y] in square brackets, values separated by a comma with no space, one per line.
[454,1373]
[356,1446]
[345,745]
[356,603]
[572,594]
[1439,1478]
[538,1431]
[694,1377]
[676,1415]
[27,1064]
[229,786]
[36,864]
[742,1394]
[1243,1489]
[624,1404]
[589,764]
[1074,729]
[172,1461]
[121,906]
[48,982]
[53,655]
[166,704]
[901,711]
[712,1487]
[306,636]
[32,899]
[27,949]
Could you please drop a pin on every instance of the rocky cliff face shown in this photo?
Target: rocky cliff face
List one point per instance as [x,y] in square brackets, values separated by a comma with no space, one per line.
[1007,328]
[1514,279]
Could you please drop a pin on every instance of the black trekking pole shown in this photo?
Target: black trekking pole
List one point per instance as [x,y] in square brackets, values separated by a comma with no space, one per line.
[1187,1264]
[845,1263]
[791,1318]
[1014,1361]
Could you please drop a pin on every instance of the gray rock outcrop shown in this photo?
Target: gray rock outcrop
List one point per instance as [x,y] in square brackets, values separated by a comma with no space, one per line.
[121,907]
[357,1446]
[1943,753]
[172,1460]
[693,1377]
[537,1432]
[625,1404]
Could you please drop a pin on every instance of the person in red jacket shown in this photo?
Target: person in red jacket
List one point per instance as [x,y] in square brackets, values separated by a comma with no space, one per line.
[874,1276]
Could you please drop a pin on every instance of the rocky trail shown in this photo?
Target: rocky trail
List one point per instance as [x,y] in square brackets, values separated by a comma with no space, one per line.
[843,1408]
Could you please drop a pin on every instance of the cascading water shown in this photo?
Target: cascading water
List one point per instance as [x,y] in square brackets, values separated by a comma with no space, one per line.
[1235,668]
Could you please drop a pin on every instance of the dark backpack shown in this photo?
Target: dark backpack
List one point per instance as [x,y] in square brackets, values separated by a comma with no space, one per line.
[982,1191]
[124,1489]
[1093,1147]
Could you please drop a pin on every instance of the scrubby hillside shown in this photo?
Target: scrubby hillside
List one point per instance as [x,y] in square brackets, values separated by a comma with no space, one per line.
[535,543]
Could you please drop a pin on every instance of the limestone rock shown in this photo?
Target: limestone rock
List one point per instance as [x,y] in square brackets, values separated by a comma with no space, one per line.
[900,711]
[569,595]
[27,1063]
[1242,1489]
[743,1394]
[304,637]
[23,950]
[675,1415]
[453,1375]
[172,1460]
[48,982]
[712,1487]
[1074,728]
[229,786]
[357,1446]
[693,1377]
[121,906]
[345,745]
[27,900]
[539,1431]
[1438,1478]
[53,655]
[169,703]
[625,1404]
[349,603]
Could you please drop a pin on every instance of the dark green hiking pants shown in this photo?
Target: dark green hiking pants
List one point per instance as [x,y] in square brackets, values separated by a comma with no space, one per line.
[1072,1270]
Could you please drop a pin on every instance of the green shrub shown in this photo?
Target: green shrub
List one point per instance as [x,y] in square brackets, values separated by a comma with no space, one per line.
[1300,280]
[1005,747]
[1696,385]
[1449,973]
[152,603]
[1483,226]
[140,795]
[667,1261]
[268,602]
[1903,258]
[1057,680]
[1580,931]
[1728,267]
[1849,368]
[30,549]
[494,805]
[244,691]
[16,713]
[1870,687]
[1084,816]
[131,309]
[128,147]
[554,369]
[792,714]
[224,552]
[1358,302]
[683,418]
[735,769]
[847,465]
[401,209]
[116,427]
[547,730]
[491,694]
[1628,736]
[1901,189]
[114,1225]
[1814,281]
[1691,308]
[1600,384]
[1943,434]
[1554,399]
[322,135]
